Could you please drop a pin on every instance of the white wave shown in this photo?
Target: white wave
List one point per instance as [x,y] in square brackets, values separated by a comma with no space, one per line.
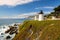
[4,28]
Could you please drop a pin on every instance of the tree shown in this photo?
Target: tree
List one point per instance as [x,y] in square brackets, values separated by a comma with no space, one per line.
[57,8]
[56,12]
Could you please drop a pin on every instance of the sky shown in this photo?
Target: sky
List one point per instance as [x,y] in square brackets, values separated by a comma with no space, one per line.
[25,8]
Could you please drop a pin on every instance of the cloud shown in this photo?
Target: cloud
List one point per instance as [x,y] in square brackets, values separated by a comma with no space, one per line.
[25,15]
[46,7]
[14,2]
[49,7]
[47,12]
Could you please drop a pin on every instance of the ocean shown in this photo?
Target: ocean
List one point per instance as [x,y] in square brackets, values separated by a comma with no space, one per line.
[10,21]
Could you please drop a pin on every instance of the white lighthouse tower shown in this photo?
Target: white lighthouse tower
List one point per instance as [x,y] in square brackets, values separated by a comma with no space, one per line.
[41,16]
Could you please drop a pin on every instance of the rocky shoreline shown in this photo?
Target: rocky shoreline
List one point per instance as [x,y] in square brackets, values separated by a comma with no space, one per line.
[8,32]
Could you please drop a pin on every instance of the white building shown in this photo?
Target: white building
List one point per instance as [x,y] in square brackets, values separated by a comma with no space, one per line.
[39,16]
[53,17]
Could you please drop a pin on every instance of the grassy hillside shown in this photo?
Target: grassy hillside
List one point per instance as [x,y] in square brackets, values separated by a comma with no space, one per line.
[39,30]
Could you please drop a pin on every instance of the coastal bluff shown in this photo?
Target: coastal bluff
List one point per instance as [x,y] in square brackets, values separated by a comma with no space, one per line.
[39,30]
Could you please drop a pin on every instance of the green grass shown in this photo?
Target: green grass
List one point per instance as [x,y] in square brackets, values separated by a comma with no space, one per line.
[42,30]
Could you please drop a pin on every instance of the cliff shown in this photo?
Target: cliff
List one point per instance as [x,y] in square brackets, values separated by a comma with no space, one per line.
[39,30]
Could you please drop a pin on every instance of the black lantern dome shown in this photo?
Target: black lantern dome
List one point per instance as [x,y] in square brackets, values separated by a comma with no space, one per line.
[41,12]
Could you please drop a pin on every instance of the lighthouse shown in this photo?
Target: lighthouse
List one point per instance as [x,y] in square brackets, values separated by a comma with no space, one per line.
[41,16]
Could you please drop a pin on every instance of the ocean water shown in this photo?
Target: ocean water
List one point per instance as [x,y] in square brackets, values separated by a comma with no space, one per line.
[5,23]
[10,21]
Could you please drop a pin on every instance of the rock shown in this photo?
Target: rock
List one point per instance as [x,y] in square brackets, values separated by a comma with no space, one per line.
[8,37]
